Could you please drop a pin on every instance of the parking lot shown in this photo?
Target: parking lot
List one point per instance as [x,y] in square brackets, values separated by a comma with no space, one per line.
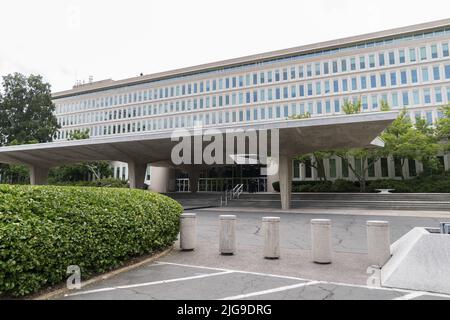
[205,274]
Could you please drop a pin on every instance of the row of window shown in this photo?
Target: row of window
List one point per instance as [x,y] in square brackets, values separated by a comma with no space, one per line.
[405,98]
[276,112]
[363,62]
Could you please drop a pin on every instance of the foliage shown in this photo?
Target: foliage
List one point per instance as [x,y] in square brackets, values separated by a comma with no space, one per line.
[384,106]
[79,134]
[305,115]
[443,128]
[45,229]
[80,172]
[316,161]
[26,110]
[351,107]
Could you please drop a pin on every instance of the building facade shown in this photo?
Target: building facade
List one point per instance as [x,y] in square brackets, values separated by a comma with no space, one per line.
[407,68]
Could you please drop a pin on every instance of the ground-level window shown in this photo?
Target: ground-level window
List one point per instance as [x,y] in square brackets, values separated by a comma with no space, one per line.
[412,167]
[308,169]
[398,167]
[332,168]
[344,163]
[296,165]
[384,167]
[371,167]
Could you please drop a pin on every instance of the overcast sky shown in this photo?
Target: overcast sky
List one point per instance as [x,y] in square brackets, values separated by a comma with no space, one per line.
[69,40]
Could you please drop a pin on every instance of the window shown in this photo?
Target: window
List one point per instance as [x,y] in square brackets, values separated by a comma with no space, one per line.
[363,82]
[285,74]
[416,97]
[326,69]
[383,79]
[332,165]
[318,88]
[401,55]
[412,168]
[301,90]
[405,98]
[335,86]
[373,81]
[308,169]
[343,65]
[335,67]
[337,107]
[423,53]
[384,167]
[344,85]
[319,107]
[372,61]
[427,96]
[362,62]
[310,89]
[327,86]
[300,72]
[414,76]
[293,73]
[395,99]
[403,77]
[371,167]
[445,52]
[374,101]
[344,166]
[447,71]
[277,75]
[296,165]
[309,70]
[429,117]
[436,73]
[354,84]
[393,79]
[364,103]
[412,55]
[425,76]
[398,167]
[391,58]
[317,69]
[438,95]
[381,59]
[353,64]
[434,52]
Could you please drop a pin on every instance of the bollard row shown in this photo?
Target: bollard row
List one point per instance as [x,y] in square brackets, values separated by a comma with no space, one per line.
[378,239]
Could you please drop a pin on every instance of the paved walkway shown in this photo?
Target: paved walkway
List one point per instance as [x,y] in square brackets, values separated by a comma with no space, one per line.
[205,274]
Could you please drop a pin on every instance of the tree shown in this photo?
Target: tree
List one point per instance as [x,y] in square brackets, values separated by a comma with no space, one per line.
[404,141]
[443,128]
[316,161]
[364,160]
[26,116]
[79,135]
[350,107]
[26,110]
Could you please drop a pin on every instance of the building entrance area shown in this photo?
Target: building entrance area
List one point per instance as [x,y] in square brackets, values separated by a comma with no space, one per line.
[219,179]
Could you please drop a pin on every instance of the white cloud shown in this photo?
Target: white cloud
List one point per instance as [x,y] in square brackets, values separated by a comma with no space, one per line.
[70,40]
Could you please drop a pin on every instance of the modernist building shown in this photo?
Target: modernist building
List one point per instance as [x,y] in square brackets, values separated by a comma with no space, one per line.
[406,67]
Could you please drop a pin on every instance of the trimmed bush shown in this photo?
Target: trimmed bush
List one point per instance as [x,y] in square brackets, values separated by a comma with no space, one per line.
[104,183]
[44,229]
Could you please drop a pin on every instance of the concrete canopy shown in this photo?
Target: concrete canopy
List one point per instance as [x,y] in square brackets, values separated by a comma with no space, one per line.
[296,137]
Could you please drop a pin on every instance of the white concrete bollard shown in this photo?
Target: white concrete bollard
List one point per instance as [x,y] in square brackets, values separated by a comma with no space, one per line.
[321,240]
[227,244]
[271,231]
[188,231]
[378,242]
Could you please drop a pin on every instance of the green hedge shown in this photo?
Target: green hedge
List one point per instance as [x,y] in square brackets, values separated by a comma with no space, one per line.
[104,183]
[421,184]
[45,229]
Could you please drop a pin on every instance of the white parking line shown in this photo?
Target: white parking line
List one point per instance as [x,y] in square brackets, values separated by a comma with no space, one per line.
[411,295]
[406,291]
[279,289]
[148,283]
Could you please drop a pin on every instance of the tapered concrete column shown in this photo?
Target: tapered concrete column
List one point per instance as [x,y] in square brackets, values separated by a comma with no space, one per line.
[159,179]
[136,174]
[271,232]
[321,240]
[38,175]
[378,242]
[227,244]
[285,174]
[188,231]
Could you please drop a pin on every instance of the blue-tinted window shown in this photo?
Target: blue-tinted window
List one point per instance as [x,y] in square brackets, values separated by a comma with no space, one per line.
[317,69]
[227,83]
[328,106]
[381,59]
[447,71]
[293,73]
[336,86]
[285,74]
[405,98]
[425,76]
[337,106]
[423,53]
[363,82]
[403,77]
[362,62]
[269,76]
[401,55]
[234,82]
[395,99]
[326,69]
[300,72]
[434,52]
[427,96]
[255,96]
[414,77]
[310,89]
[412,55]
[344,85]
[445,51]
[293,91]
[354,84]
[364,103]
[383,80]
[372,61]
[318,88]
[438,95]
[285,93]
[302,90]
[309,70]
[353,64]
[373,81]
[277,93]
[429,116]
[327,86]
[247,97]
[277,75]
[436,73]
[391,58]
[343,65]
[319,107]
[335,66]
[393,79]
[255,79]
[416,97]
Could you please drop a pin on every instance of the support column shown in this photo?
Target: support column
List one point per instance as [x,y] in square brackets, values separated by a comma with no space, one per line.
[159,179]
[285,173]
[38,175]
[136,174]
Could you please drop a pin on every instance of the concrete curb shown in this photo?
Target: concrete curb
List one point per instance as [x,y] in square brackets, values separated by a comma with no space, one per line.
[62,291]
